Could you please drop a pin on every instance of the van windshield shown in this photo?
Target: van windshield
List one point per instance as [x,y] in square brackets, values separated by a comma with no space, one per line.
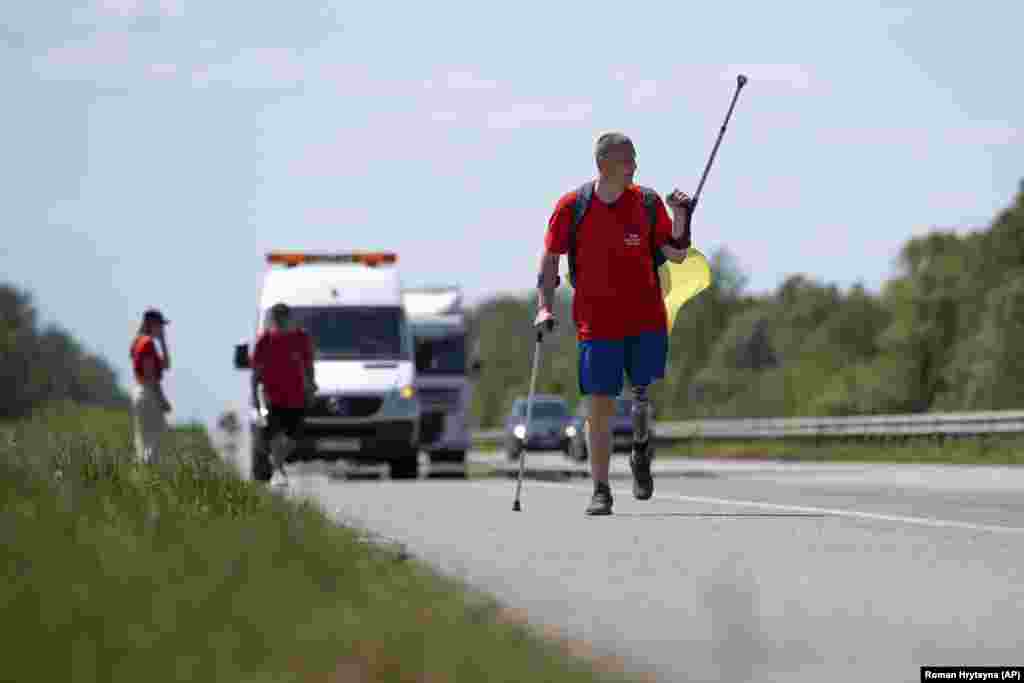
[439,351]
[355,332]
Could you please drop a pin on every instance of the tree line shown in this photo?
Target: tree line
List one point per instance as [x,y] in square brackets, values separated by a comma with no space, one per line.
[39,364]
[946,333]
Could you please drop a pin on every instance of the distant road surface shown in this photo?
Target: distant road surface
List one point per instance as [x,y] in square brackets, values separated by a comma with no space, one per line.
[733,571]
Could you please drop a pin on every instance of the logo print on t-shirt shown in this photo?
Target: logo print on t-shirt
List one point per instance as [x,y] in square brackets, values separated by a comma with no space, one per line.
[632,239]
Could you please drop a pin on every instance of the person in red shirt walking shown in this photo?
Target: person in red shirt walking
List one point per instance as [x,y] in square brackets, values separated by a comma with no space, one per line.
[617,306]
[283,364]
[149,404]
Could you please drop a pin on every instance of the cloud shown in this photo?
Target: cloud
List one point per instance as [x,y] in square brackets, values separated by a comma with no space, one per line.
[172,8]
[533,112]
[464,80]
[461,80]
[107,59]
[444,116]
[120,8]
[254,69]
[163,70]
[644,90]
[974,135]
[795,76]
[639,91]
[134,9]
[85,59]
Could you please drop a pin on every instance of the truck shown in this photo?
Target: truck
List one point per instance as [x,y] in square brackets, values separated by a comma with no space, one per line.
[445,370]
[366,407]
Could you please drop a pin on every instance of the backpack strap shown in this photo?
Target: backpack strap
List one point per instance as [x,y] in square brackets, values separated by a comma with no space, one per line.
[650,199]
[584,194]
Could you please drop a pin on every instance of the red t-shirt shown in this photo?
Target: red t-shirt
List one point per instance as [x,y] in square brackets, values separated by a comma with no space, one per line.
[616,292]
[144,347]
[282,357]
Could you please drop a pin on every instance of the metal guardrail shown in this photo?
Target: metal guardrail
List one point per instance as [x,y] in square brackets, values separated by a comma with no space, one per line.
[922,424]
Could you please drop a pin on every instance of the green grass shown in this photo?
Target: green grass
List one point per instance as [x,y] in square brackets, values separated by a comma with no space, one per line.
[982,450]
[116,571]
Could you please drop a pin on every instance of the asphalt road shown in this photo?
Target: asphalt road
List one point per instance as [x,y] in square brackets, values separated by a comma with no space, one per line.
[734,571]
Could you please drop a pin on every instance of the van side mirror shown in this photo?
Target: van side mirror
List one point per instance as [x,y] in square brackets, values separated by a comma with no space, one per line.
[242,357]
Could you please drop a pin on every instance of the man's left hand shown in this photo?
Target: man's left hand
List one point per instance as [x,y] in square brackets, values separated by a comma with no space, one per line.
[673,254]
[679,201]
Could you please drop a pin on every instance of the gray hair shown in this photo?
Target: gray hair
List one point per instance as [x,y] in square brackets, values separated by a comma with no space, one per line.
[609,141]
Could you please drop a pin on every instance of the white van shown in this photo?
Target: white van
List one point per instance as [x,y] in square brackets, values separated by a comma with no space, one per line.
[366,407]
[445,370]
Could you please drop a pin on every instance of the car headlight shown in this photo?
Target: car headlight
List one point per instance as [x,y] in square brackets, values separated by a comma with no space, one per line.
[570,431]
[520,431]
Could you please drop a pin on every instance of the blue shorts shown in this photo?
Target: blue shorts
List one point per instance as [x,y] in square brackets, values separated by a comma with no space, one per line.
[602,362]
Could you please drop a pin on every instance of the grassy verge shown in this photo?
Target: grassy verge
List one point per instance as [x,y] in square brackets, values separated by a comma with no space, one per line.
[987,450]
[121,572]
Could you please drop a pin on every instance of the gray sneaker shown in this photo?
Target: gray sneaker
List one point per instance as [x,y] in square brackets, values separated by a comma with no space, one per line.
[640,464]
[601,502]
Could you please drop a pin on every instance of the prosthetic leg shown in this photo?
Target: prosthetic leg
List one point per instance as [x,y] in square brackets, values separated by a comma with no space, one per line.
[640,459]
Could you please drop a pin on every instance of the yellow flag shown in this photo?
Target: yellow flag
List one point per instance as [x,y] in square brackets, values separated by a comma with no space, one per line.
[680,282]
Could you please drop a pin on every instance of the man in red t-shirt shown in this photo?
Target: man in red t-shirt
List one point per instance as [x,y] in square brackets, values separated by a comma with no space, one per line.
[617,306]
[283,363]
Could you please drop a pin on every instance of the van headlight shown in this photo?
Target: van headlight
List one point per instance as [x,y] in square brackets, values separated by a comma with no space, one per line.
[402,400]
[520,431]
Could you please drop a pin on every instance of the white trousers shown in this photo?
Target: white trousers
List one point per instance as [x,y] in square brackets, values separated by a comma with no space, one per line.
[150,424]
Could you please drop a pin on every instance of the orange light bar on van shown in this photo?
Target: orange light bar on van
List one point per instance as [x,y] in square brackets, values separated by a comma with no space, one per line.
[293,258]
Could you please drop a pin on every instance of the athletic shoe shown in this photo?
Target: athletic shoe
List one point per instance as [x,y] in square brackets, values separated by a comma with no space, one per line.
[640,463]
[601,503]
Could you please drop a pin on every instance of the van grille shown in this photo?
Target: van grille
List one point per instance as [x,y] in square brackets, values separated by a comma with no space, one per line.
[340,405]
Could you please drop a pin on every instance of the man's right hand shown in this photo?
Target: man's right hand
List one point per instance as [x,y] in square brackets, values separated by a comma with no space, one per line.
[545,321]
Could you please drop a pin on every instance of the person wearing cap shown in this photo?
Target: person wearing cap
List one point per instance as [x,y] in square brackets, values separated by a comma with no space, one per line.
[617,306]
[149,404]
[283,363]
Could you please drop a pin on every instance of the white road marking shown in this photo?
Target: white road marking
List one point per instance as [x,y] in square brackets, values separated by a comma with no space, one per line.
[856,514]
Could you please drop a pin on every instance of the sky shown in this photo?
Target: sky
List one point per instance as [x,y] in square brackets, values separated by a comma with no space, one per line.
[155,150]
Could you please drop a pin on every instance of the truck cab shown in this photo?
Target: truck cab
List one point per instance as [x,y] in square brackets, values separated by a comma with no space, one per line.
[366,407]
[445,373]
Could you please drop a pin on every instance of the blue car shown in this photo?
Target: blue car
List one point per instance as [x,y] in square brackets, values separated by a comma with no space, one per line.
[622,430]
[548,424]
